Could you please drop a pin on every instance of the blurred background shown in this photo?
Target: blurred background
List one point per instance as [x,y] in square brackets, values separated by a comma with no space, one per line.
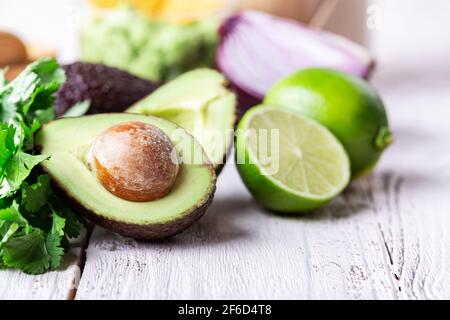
[56,23]
[400,34]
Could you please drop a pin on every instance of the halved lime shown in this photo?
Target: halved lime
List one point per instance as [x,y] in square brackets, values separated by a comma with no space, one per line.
[288,162]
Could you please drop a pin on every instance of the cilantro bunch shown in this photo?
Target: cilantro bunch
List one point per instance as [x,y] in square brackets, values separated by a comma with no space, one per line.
[35,224]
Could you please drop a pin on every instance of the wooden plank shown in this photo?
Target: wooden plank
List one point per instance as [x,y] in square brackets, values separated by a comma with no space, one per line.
[385,238]
[413,216]
[413,78]
[56,285]
[240,251]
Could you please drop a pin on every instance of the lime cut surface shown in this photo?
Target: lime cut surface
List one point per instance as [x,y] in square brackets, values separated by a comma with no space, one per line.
[288,162]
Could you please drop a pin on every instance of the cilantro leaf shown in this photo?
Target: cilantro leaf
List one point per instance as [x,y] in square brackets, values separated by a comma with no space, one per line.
[34,223]
[28,141]
[31,91]
[73,222]
[44,115]
[58,225]
[7,230]
[54,250]
[53,241]
[8,109]
[7,145]
[10,222]
[12,214]
[35,196]
[49,72]
[17,169]
[27,253]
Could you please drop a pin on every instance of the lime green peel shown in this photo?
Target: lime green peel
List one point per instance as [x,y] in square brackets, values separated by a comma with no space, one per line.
[348,106]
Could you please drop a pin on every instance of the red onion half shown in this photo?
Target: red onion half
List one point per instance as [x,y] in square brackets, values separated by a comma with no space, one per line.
[257,50]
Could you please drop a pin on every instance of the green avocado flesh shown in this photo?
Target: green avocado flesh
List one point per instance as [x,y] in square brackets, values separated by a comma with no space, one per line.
[200,102]
[67,141]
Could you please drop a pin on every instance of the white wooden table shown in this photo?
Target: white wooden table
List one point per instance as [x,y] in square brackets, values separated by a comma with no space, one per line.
[387,237]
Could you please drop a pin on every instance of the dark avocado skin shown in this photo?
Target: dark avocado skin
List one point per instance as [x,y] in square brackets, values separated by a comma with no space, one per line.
[140,232]
[108,89]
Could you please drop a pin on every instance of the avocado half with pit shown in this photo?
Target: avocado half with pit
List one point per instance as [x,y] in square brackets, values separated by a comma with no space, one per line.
[200,102]
[69,143]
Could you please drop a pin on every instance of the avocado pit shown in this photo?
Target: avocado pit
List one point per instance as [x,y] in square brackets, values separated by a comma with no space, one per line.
[135,161]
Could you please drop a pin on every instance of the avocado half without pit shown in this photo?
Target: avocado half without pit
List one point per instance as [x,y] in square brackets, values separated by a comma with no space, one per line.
[140,176]
[201,102]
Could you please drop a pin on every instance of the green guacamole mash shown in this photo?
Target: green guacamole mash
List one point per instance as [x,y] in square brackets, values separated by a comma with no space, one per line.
[157,51]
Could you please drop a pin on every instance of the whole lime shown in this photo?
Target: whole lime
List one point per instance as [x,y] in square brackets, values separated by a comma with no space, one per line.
[348,106]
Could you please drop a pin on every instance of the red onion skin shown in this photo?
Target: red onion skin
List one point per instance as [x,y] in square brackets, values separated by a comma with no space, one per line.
[246,98]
